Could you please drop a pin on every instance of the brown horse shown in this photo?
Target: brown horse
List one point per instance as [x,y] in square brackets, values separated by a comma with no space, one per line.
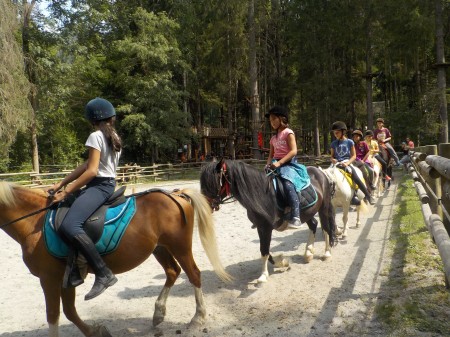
[162,226]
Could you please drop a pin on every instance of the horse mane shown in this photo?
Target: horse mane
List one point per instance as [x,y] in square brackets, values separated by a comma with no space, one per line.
[252,189]
[8,195]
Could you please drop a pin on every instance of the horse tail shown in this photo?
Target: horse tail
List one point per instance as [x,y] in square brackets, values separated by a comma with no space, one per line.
[328,220]
[206,231]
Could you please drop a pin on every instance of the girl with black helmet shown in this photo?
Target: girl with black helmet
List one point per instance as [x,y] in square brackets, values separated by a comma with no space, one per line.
[282,158]
[98,175]
[375,152]
[343,154]
[386,141]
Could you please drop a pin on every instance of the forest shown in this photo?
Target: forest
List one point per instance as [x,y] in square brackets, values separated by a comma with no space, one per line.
[177,70]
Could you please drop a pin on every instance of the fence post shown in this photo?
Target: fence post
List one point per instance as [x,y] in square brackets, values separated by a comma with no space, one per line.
[435,184]
[444,151]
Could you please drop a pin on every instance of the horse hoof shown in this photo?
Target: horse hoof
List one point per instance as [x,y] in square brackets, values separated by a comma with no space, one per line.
[326,256]
[280,262]
[157,319]
[262,279]
[309,258]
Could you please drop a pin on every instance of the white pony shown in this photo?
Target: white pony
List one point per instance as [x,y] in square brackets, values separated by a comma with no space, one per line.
[377,177]
[343,194]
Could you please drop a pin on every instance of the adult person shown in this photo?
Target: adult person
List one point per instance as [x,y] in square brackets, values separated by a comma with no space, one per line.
[406,147]
[375,152]
[283,158]
[97,176]
[381,129]
[343,154]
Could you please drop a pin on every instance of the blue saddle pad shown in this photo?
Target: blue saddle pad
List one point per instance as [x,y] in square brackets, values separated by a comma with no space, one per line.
[116,222]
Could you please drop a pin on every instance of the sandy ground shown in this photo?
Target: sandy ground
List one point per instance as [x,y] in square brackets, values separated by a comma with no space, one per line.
[322,298]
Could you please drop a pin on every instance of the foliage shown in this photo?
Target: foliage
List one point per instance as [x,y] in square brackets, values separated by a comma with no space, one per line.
[171,65]
[15,108]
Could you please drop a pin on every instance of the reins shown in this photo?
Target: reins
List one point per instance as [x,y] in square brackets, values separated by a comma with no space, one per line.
[26,216]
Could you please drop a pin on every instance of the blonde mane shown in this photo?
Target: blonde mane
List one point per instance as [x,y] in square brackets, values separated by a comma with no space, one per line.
[6,193]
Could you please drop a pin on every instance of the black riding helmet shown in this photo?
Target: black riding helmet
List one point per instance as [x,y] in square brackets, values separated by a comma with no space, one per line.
[278,111]
[369,133]
[358,132]
[99,109]
[338,126]
[380,120]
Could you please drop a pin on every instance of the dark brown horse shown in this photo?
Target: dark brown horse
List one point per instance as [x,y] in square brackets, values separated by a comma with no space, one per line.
[254,190]
[162,226]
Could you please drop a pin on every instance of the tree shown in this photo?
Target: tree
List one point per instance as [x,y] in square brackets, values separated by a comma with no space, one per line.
[15,109]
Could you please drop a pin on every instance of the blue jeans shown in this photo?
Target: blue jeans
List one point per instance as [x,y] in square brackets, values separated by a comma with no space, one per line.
[96,192]
[292,196]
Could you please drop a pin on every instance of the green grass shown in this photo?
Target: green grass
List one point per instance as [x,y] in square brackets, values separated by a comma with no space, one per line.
[417,302]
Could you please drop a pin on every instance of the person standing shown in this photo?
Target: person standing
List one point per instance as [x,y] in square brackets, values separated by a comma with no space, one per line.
[406,147]
[97,176]
[283,158]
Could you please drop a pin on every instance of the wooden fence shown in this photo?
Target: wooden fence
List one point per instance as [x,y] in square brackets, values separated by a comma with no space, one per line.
[430,169]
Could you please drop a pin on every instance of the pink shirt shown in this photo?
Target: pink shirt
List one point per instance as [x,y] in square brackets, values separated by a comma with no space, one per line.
[280,143]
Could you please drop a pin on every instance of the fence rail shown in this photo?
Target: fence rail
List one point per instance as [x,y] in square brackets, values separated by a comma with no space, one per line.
[430,169]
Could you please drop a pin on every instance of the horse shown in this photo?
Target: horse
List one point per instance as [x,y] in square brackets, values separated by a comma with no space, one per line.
[162,225]
[343,194]
[377,177]
[255,192]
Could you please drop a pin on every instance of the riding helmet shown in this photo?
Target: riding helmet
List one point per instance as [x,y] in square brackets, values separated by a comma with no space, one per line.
[369,133]
[278,111]
[380,120]
[99,109]
[358,132]
[338,126]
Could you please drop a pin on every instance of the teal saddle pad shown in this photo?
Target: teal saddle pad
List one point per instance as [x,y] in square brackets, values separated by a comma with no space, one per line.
[116,222]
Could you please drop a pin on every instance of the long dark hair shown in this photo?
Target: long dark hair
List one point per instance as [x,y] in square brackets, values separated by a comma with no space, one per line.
[106,126]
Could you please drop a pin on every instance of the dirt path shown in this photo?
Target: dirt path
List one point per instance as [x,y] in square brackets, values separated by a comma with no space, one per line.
[332,298]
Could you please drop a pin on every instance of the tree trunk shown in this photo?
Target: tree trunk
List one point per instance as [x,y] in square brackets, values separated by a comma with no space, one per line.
[254,97]
[440,61]
[316,135]
[31,75]
[369,88]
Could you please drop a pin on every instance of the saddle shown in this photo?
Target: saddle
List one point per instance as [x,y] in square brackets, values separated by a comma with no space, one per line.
[349,178]
[93,228]
[94,225]
[307,196]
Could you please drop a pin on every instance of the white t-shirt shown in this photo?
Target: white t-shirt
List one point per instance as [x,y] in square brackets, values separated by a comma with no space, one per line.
[108,158]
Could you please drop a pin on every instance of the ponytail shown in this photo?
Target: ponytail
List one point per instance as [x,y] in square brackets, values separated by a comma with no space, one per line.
[106,126]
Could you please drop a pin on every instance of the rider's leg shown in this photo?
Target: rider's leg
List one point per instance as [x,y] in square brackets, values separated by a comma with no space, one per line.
[370,174]
[72,228]
[383,166]
[393,153]
[361,185]
[361,165]
[294,202]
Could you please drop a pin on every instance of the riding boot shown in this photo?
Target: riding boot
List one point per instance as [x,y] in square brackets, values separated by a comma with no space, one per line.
[363,188]
[72,275]
[104,277]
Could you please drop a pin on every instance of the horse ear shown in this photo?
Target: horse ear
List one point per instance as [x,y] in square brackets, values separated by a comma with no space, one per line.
[220,164]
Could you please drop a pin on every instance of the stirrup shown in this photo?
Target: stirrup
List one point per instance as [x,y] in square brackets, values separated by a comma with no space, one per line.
[355,201]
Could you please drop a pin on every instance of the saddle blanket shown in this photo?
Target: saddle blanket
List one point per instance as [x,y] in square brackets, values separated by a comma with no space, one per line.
[116,222]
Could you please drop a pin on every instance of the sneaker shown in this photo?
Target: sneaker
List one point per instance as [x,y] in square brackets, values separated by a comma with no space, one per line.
[369,200]
[355,201]
[387,177]
[294,223]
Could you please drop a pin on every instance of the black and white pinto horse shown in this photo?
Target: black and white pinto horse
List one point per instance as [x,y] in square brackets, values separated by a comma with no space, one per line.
[255,192]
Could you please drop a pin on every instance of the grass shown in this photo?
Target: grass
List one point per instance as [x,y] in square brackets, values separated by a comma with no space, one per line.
[416,302]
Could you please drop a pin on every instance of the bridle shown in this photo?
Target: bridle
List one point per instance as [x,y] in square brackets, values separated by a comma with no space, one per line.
[224,194]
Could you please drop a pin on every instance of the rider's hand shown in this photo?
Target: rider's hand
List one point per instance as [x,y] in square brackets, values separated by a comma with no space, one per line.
[275,165]
[59,196]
